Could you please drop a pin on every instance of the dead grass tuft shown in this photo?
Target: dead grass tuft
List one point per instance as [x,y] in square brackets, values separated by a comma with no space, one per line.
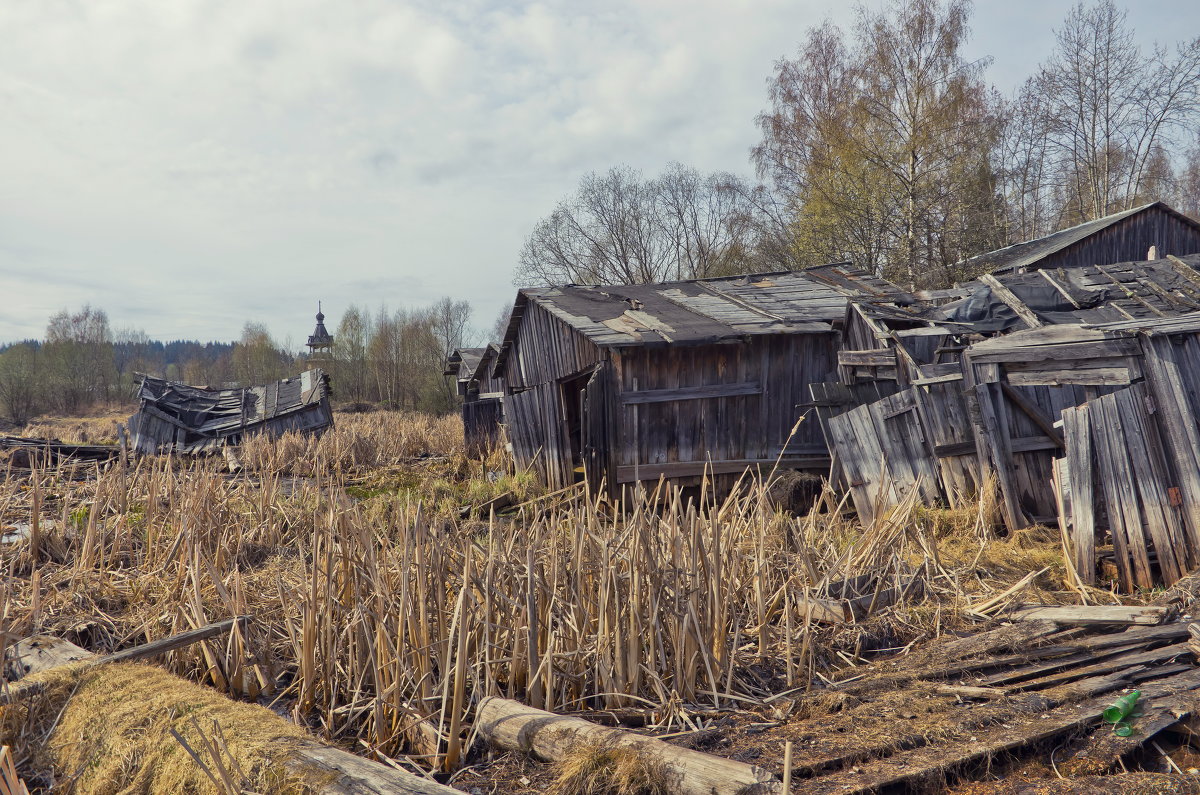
[109,729]
[601,769]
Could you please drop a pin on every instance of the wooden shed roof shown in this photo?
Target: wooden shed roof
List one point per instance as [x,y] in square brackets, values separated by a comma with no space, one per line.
[463,363]
[1030,252]
[1125,291]
[703,311]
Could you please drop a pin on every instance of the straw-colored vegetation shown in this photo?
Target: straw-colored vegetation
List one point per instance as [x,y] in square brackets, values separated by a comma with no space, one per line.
[382,612]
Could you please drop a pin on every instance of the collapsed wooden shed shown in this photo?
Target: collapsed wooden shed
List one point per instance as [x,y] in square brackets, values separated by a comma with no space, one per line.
[992,392]
[482,394]
[178,418]
[680,380]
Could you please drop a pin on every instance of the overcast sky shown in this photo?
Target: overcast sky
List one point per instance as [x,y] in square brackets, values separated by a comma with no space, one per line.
[189,166]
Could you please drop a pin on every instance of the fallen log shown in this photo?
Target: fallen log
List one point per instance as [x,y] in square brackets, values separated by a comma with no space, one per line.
[512,726]
[339,772]
[1090,614]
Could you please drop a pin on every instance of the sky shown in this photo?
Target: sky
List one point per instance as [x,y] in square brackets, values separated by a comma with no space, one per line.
[191,166]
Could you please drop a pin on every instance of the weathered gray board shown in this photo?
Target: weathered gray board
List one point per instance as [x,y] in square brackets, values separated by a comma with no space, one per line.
[883,452]
[481,424]
[1117,467]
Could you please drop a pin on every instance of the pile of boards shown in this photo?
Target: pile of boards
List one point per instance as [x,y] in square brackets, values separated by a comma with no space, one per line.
[972,709]
[23,452]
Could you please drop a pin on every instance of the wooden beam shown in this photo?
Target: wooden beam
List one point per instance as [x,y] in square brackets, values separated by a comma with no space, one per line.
[682,469]
[1034,413]
[1094,376]
[882,357]
[1046,275]
[1090,614]
[690,393]
[1011,301]
[512,726]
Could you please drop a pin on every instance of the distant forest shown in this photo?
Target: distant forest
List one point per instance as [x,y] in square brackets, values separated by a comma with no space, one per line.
[391,358]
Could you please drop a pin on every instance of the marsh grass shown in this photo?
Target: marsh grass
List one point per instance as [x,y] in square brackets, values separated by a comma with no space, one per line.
[382,614]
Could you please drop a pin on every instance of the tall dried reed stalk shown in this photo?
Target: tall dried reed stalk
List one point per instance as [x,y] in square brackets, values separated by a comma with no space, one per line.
[383,621]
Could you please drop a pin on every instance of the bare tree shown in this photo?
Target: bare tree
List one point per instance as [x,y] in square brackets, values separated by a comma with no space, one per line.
[257,357]
[622,228]
[1110,109]
[350,354]
[450,322]
[78,356]
[21,382]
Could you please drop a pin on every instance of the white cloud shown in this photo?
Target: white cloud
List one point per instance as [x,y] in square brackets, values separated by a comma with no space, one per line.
[190,165]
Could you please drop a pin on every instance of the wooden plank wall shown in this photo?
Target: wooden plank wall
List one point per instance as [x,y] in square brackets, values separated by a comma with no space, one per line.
[545,351]
[1117,464]
[1129,240]
[535,429]
[884,454]
[732,404]
[481,424]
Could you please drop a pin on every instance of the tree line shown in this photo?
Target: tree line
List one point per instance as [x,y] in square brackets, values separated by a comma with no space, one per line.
[883,145]
[393,358]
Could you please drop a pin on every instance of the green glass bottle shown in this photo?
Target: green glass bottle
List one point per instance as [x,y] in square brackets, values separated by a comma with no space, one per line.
[1122,707]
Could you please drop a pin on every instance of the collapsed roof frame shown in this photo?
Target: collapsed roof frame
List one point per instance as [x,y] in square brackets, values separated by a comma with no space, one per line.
[178,418]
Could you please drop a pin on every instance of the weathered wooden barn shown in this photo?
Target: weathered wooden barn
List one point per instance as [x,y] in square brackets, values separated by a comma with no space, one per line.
[1120,237]
[482,394]
[631,383]
[993,390]
[177,418]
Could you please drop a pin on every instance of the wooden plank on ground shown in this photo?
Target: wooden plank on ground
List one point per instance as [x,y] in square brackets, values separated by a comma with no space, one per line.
[1091,614]
[919,765]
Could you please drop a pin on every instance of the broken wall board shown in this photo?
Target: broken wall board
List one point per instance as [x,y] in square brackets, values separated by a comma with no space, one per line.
[884,454]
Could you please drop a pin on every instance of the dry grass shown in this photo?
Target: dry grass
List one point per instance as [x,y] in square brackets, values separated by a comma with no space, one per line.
[122,728]
[381,615]
[598,769]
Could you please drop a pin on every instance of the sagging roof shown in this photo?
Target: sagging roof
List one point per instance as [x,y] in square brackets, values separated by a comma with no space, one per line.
[175,417]
[1126,291]
[463,362]
[1029,253]
[701,311]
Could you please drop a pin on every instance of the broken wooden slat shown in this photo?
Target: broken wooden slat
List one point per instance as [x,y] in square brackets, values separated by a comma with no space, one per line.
[690,393]
[1091,614]
[1121,661]
[1082,526]
[987,742]
[1011,300]
[512,726]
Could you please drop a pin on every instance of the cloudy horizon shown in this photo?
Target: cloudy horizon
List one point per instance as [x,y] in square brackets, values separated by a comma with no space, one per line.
[189,167]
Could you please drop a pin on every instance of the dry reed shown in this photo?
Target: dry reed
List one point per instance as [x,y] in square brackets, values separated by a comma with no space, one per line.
[381,615]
